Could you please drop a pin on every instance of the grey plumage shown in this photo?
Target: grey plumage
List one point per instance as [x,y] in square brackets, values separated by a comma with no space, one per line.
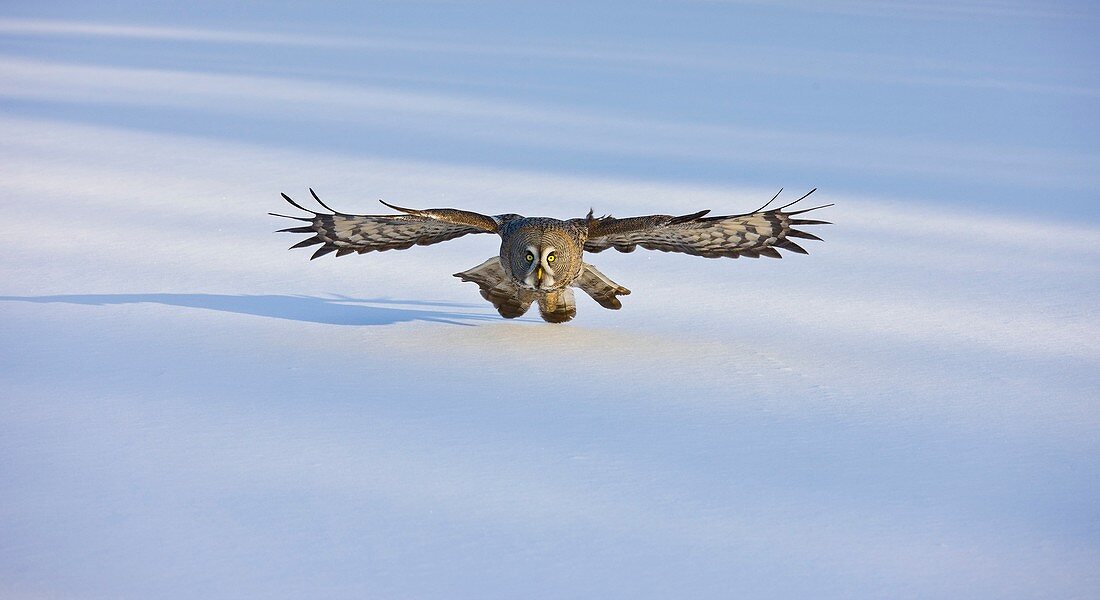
[541,258]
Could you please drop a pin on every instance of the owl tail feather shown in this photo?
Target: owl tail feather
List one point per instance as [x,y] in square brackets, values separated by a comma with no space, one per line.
[558,306]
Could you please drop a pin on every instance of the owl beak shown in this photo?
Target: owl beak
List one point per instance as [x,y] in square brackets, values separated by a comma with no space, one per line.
[538,276]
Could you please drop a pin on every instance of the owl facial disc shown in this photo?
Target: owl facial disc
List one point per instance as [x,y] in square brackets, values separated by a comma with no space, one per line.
[541,276]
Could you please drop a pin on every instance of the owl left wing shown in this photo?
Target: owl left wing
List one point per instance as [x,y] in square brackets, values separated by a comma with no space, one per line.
[343,233]
[754,234]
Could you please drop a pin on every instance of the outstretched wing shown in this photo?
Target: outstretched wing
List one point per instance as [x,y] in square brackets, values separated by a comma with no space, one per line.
[754,234]
[343,233]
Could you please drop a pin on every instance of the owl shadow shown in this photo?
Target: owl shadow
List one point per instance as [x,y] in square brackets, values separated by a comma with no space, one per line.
[335,310]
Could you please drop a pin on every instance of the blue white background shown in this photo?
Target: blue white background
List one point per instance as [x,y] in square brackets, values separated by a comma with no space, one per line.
[189,410]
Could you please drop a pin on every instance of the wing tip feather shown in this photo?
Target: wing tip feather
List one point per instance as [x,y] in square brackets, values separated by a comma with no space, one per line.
[322,203]
[296,205]
[806,210]
[308,242]
[408,211]
[290,217]
[689,218]
[802,234]
[804,196]
[791,246]
[323,250]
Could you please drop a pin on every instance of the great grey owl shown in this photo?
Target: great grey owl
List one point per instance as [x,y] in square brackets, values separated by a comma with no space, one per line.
[540,258]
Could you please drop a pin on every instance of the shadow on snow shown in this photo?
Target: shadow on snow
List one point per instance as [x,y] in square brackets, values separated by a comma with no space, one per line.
[336,310]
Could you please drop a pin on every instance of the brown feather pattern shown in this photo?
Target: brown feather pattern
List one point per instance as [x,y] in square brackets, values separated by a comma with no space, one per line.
[346,234]
[753,234]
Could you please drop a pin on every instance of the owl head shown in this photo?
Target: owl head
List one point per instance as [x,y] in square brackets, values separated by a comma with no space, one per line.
[542,258]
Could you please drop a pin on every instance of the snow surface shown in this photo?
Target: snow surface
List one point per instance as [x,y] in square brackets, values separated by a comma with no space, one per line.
[187,410]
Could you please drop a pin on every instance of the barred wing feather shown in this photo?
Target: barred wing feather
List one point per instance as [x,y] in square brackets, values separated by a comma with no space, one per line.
[344,233]
[755,234]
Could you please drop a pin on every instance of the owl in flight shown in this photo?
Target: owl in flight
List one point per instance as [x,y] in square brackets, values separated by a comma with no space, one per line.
[541,258]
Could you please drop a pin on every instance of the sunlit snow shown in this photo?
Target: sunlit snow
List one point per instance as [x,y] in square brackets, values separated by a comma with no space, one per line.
[188,410]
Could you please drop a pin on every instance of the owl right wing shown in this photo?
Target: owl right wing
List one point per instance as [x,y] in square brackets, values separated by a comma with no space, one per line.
[343,233]
[754,234]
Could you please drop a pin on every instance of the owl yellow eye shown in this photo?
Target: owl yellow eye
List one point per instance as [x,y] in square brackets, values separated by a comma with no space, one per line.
[550,257]
[530,257]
